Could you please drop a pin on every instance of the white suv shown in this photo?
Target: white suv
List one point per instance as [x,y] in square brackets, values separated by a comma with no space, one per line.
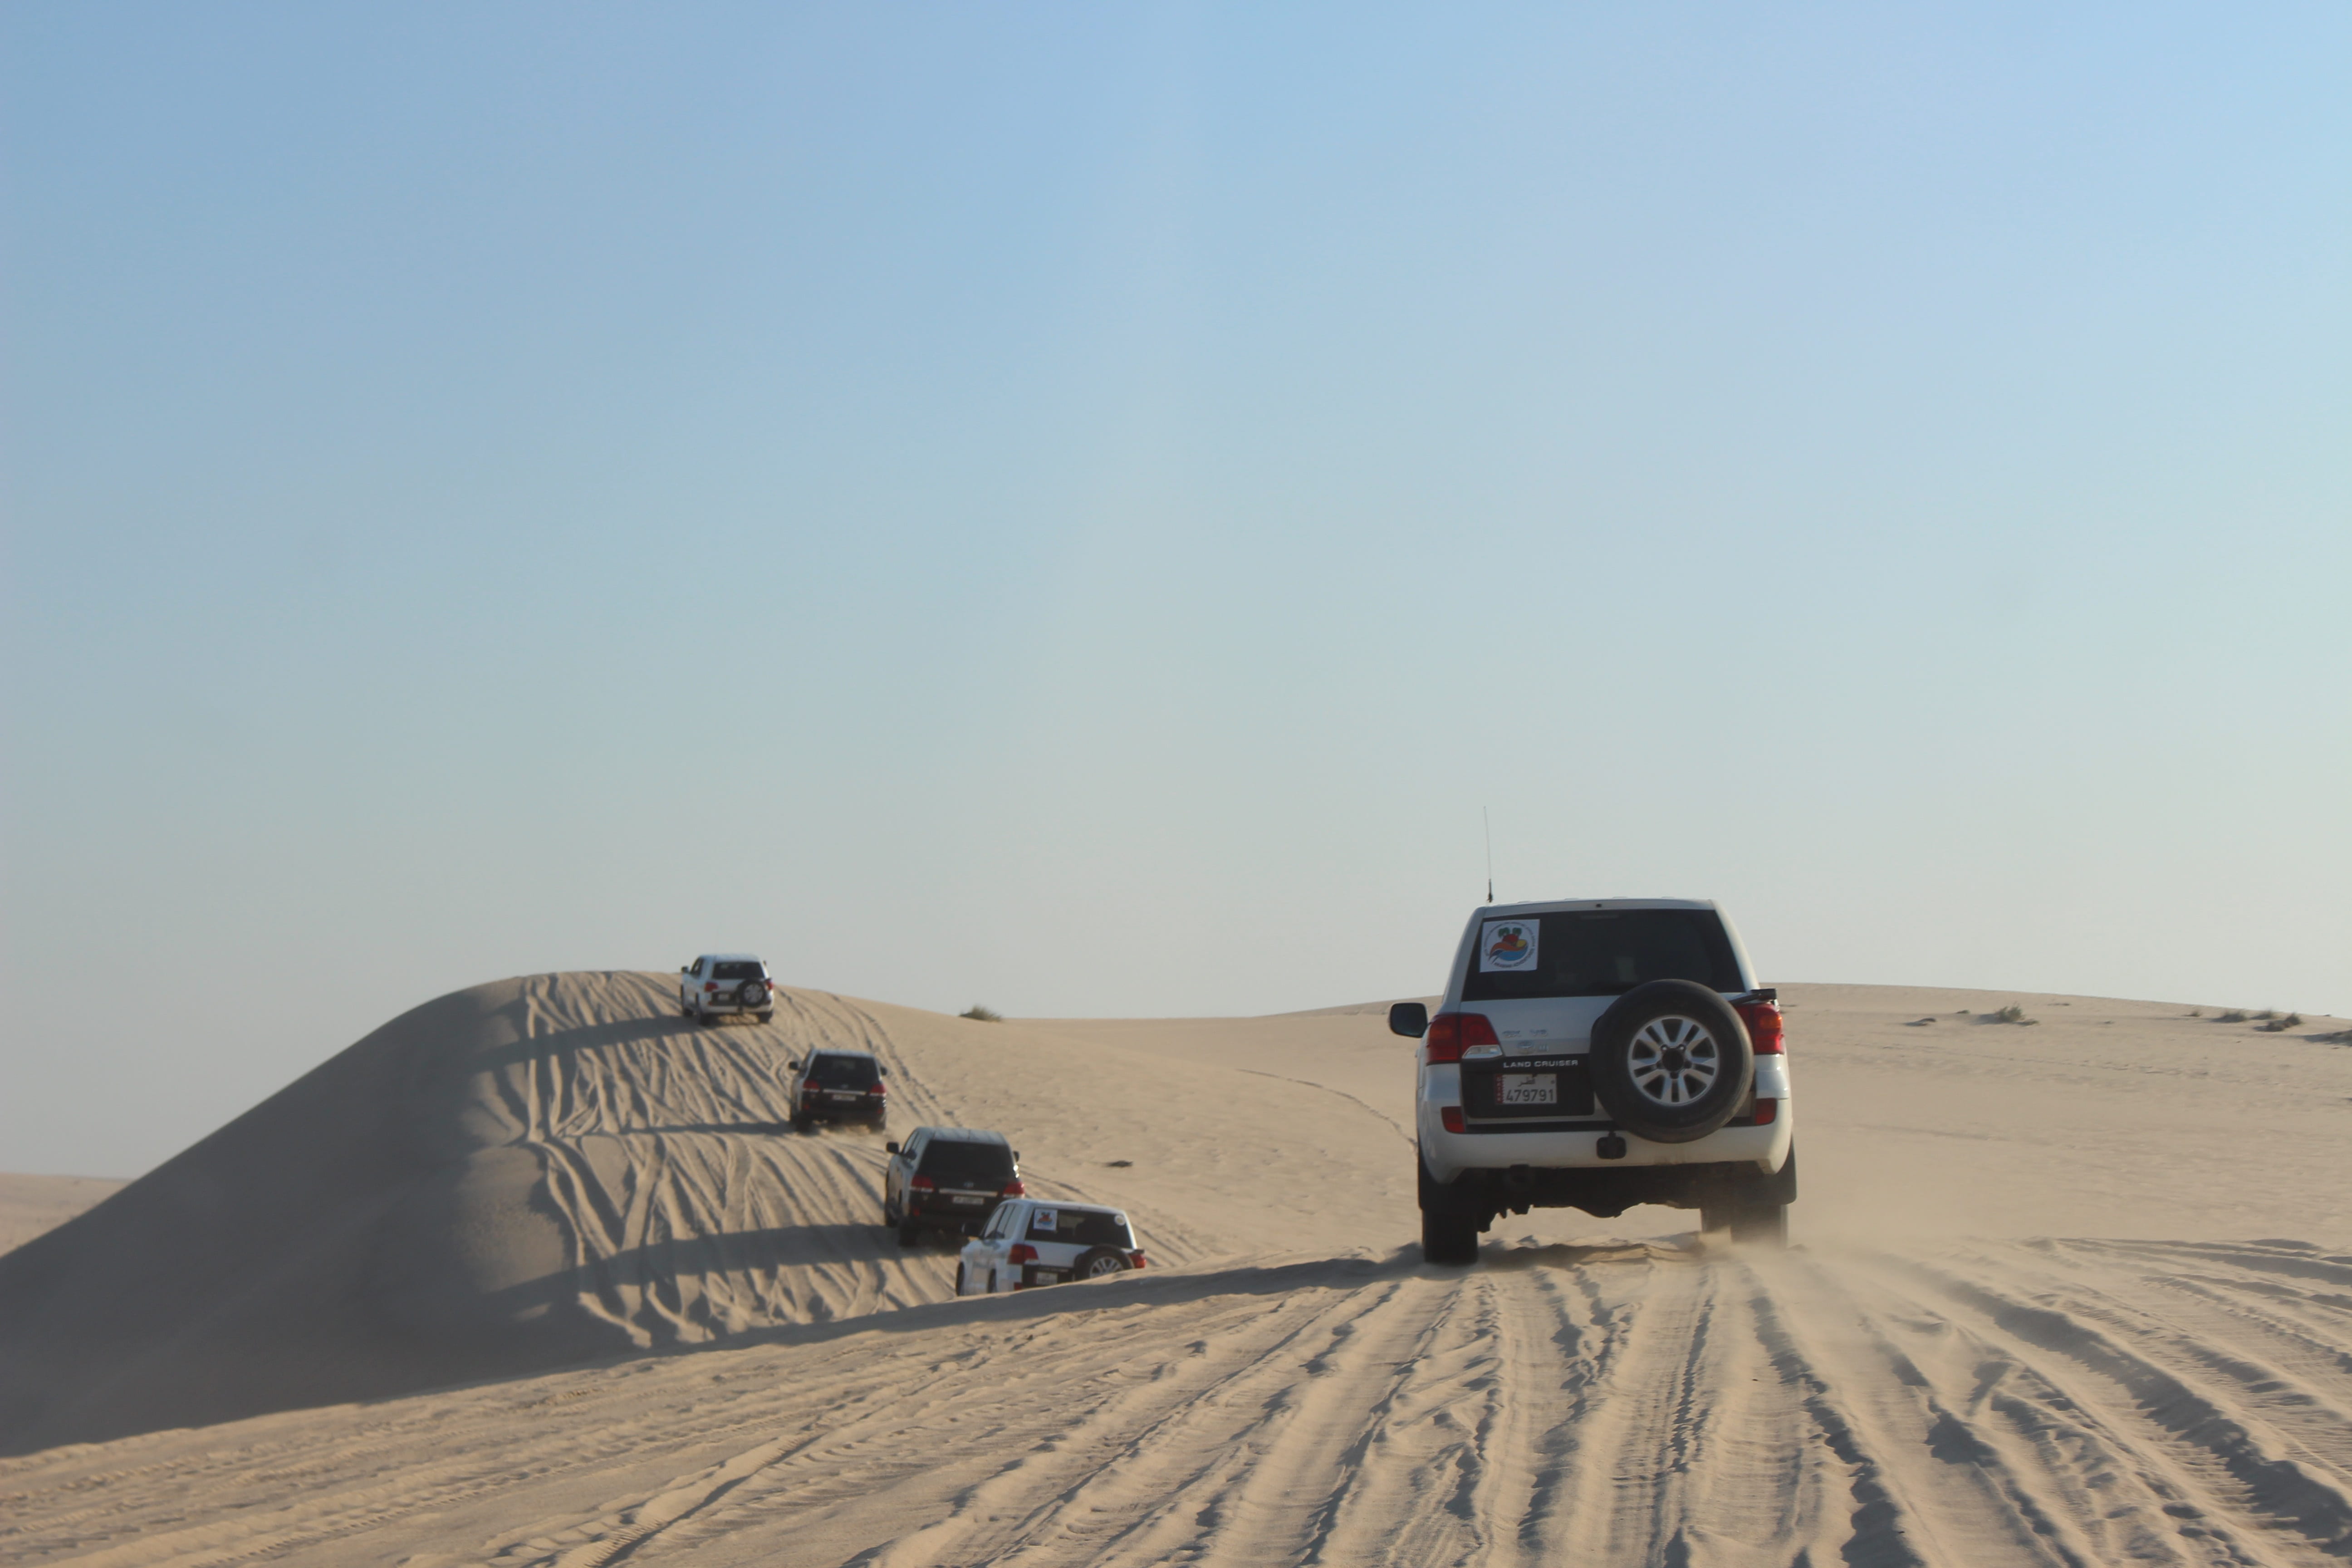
[1036,1241]
[1595,1053]
[720,982]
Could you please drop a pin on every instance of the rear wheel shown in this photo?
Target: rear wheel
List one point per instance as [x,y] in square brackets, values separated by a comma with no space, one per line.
[1764,1224]
[910,1234]
[959,1290]
[1448,1239]
[1100,1264]
[768,1017]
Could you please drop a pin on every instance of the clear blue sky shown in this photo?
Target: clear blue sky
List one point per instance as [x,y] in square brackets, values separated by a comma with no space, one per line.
[1078,508]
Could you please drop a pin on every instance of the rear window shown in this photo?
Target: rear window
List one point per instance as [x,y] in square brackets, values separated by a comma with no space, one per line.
[843,1072]
[1087,1228]
[736,971]
[974,1161]
[1598,953]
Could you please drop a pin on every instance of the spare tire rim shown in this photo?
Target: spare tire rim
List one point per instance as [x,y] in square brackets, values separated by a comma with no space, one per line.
[1674,1061]
[753,994]
[1103,1266]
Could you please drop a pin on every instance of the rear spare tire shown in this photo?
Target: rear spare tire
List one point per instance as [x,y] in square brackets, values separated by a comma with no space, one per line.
[1671,1061]
[753,995]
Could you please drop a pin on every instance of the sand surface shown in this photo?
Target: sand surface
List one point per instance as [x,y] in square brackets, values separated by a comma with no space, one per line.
[533,1274]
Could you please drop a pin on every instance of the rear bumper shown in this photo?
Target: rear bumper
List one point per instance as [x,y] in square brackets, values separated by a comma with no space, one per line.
[933,1214]
[1574,1144]
[841,1110]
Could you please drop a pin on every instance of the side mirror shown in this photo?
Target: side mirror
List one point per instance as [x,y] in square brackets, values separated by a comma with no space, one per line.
[1409,1019]
[891,1147]
[686,968]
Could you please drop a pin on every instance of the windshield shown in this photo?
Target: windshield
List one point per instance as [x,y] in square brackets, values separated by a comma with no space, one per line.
[843,1072]
[962,1160]
[1598,953]
[1087,1228]
[737,971]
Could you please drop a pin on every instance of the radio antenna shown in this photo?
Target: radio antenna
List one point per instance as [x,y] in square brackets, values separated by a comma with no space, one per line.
[1488,823]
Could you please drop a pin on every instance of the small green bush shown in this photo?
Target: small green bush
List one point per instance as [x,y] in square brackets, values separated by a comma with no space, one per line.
[2231,1016]
[985,1014]
[2012,1014]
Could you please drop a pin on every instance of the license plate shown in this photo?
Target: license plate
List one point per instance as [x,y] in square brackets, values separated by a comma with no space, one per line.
[1527,1088]
[969,1198]
[1049,1276]
[849,1097]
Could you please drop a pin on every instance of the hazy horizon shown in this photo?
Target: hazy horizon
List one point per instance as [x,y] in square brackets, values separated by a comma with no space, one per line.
[1081,511]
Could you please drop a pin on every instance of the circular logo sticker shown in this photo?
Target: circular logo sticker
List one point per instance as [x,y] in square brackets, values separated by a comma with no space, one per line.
[1509,945]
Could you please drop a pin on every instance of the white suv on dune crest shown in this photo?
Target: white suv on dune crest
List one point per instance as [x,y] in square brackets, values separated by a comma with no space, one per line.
[1596,1054]
[717,984]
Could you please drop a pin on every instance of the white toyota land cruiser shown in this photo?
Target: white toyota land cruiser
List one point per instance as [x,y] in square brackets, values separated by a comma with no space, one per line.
[1596,1054]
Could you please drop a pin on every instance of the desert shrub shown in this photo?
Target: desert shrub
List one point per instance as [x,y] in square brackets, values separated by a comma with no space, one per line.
[2012,1014]
[2267,1015]
[985,1014]
[2231,1016]
[2291,1021]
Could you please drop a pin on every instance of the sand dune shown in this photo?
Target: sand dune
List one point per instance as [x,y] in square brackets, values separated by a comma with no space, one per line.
[2044,1310]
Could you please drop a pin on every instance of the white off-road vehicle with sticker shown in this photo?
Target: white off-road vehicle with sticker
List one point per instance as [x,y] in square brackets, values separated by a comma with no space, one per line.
[718,983]
[1029,1242]
[1595,1053]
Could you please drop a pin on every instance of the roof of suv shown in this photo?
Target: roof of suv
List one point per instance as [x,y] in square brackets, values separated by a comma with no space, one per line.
[735,957]
[964,1135]
[1539,906]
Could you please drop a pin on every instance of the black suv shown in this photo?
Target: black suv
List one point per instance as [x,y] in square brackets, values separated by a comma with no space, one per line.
[838,1086]
[949,1179]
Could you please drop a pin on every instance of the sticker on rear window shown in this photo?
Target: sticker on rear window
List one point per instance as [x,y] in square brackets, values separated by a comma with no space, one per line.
[1508,945]
[1042,1220]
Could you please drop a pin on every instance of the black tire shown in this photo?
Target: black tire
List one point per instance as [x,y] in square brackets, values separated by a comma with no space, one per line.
[910,1234]
[802,1124]
[1101,1263]
[1448,1239]
[752,995]
[1764,1224]
[960,1280]
[769,1017]
[1783,1182]
[1671,1061]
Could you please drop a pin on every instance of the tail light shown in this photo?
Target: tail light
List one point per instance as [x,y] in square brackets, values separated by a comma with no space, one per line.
[1766,1112]
[1136,1259]
[1451,1116]
[879,1089]
[1764,1029]
[709,985]
[924,1184]
[1022,1253]
[1012,1190]
[1450,1034]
